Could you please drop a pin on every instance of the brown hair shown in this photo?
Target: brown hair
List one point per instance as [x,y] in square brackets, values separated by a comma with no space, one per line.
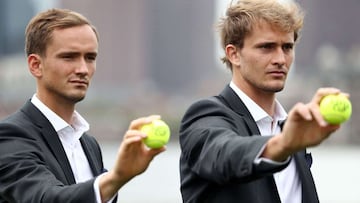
[40,28]
[242,16]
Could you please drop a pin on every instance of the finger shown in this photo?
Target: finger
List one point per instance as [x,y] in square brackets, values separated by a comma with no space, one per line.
[315,111]
[131,140]
[345,94]
[137,123]
[134,133]
[321,92]
[302,111]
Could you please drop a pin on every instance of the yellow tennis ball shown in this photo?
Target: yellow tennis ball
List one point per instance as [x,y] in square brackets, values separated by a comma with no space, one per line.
[158,134]
[335,109]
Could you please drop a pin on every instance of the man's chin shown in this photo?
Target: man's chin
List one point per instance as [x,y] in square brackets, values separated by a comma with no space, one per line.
[80,98]
[274,88]
[76,98]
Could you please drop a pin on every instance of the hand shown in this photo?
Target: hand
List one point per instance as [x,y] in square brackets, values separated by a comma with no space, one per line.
[305,126]
[132,159]
[133,156]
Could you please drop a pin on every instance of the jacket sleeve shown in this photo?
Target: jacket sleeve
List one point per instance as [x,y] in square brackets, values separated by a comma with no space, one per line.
[217,145]
[25,176]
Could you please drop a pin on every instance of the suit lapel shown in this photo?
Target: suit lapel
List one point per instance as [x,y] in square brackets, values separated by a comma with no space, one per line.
[95,164]
[309,194]
[231,100]
[52,139]
[58,151]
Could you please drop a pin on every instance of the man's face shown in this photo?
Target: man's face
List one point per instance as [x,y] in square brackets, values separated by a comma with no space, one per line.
[265,59]
[69,64]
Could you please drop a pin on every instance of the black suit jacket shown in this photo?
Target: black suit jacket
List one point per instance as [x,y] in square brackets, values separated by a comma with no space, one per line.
[33,163]
[219,142]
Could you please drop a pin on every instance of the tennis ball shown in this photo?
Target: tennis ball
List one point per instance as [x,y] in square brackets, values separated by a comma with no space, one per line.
[158,134]
[335,109]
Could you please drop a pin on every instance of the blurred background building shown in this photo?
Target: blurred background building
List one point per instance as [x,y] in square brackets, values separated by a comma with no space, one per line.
[158,56]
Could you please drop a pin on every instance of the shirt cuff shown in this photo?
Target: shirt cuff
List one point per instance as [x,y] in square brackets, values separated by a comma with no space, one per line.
[97,190]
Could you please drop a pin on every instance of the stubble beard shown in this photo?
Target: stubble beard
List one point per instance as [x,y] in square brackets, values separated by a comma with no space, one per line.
[273,89]
[266,87]
[67,96]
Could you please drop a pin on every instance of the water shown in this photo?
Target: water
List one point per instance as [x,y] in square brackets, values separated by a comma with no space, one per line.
[336,170]
[160,183]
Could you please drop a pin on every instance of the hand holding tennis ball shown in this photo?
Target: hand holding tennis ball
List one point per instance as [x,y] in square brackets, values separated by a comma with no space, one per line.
[335,109]
[158,134]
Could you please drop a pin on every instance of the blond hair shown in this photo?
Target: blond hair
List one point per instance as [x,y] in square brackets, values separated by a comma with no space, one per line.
[242,16]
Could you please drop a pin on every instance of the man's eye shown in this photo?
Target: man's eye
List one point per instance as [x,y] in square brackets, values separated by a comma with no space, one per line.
[67,57]
[288,47]
[91,58]
[266,46]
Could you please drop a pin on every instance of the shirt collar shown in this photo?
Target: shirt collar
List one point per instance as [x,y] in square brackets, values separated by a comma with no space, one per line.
[78,122]
[255,110]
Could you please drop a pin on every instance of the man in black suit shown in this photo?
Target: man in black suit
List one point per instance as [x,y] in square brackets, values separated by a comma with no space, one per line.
[45,153]
[235,147]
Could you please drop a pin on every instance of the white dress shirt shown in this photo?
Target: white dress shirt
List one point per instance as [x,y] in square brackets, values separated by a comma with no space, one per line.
[70,135]
[287,180]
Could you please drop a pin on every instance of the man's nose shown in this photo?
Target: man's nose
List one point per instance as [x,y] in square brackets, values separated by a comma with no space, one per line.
[82,67]
[279,57]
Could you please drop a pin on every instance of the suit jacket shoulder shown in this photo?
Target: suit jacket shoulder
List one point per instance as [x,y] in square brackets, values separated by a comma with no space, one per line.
[34,165]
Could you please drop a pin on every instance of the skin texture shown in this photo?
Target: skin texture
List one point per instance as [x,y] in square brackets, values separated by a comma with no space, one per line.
[260,67]
[63,76]
[64,73]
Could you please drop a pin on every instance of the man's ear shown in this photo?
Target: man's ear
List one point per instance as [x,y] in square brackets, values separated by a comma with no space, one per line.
[35,64]
[232,54]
